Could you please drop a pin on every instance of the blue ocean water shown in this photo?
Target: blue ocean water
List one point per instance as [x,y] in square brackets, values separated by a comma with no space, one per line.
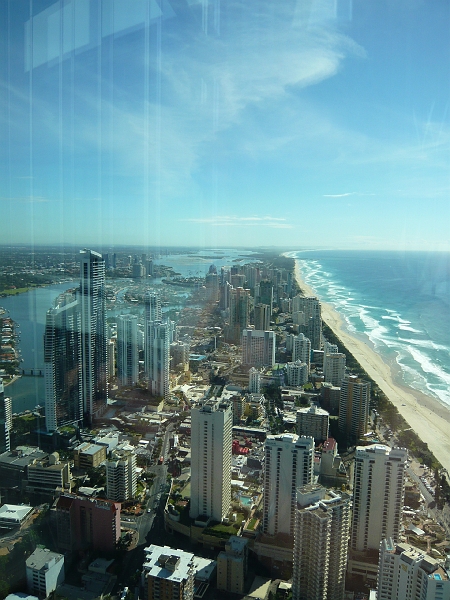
[400,301]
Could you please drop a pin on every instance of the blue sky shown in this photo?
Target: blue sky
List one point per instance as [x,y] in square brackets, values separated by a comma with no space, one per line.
[182,122]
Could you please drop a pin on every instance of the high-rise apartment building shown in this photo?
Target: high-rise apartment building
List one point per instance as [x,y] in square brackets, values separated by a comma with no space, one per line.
[264,293]
[407,573]
[211,439]
[127,350]
[62,363]
[296,373]
[334,369]
[254,381]
[93,334]
[232,566]
[328,349]
[5,419]
[314,422]
[121,478]
[239,304]
[158,360]
[258,348]
[354,407]
[322,523]
[378,494]
[168,574]
[87,524]
[289,464]
[301,349]
[312,327]
[262,317]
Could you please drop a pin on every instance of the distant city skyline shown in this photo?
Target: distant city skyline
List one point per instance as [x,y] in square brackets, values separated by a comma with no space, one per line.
[303,124]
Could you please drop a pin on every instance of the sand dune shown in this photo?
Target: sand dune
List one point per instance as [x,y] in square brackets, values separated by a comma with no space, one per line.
[426,415]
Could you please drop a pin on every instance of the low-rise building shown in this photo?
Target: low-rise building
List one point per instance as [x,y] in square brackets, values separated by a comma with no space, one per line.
[168,573]
[45,571]
[48,476]
[89,456]
[12,516]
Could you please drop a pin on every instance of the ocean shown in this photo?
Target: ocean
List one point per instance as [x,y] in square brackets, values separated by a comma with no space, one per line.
[400,301]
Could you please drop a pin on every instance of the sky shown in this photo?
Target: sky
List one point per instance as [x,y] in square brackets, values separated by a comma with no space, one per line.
[286,123]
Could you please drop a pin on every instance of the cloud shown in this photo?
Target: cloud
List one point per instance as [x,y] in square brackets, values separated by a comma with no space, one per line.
[345,194]
[235,221]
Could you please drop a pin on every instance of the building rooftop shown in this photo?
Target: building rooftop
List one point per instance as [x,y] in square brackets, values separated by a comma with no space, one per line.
[14,514]
[41,558]
[166,563]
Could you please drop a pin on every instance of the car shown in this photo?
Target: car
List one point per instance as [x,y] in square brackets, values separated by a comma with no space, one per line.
[149,510]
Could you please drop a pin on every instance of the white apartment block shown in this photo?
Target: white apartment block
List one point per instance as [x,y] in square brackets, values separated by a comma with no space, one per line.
[121,477]
[158,359]
[322,522]
[168,574]
[407,573]
[289,464]
[334,368]
[258,348]
[314,422]
[302,349]
[297,373]
[254,381]
[211,441]
[45,571]
[378,494]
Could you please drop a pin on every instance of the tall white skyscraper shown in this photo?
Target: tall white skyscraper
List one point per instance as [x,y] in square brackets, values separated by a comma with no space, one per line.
[158,348]
[152,314]
[407,573]
[354,407]
[289,464]
[211,438]
[378,494]
[301,350]
[258,348]
[322,522]
[334,369]
[310,307]
[93,334]
[127,350]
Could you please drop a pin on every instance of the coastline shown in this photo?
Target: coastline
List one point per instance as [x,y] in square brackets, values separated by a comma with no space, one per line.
[425,414]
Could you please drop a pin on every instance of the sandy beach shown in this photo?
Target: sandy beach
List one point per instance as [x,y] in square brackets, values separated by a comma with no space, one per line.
[426,415]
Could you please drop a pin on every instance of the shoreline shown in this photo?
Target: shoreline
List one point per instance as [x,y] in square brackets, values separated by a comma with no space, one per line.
[425,415]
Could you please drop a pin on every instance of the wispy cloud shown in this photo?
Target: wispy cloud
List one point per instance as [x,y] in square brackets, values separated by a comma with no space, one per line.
[233,221]
[345,194]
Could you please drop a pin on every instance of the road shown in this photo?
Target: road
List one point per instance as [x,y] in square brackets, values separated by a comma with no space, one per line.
[150,525]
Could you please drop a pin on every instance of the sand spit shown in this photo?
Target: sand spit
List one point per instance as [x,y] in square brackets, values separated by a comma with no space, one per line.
[426,415]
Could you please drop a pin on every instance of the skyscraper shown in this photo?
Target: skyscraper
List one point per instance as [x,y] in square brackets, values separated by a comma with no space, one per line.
[152,314]
[334,369]
[378,493]
[62,363]
[407,573]
[258,348]
[158,348]
[322,523]
[289,464]
[5,419]
[301,349]
[211,437]
[93,334]
[127,350]
[262,317]
[121,478]
[254,381]
[239,312]
[354,407]
[312,328]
